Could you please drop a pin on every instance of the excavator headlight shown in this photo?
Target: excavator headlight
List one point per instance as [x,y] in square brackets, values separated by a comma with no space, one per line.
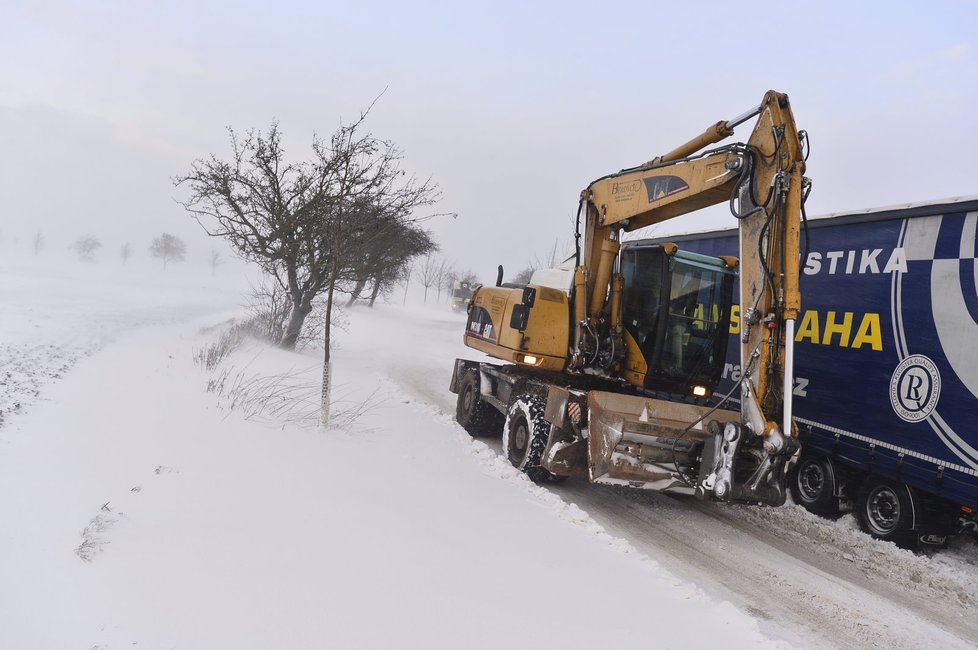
[530,359]
[699,391]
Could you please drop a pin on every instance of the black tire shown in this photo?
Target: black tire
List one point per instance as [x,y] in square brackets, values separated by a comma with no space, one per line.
[813,483]
[525,436]
[886,511]
[475,415]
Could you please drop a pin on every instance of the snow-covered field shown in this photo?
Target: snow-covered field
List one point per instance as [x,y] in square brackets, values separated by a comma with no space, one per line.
[141,509]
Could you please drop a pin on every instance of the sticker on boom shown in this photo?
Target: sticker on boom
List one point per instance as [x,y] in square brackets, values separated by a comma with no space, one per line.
[660,187]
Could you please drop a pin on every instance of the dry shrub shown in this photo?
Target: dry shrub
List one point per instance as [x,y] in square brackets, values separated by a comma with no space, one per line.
[313,329]
[292,397]
[213,354]
[268,308]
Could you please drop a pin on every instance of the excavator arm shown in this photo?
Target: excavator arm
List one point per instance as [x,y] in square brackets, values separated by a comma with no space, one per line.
[763,182]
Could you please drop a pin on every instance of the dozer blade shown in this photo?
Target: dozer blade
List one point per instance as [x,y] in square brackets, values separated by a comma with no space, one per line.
[639,441]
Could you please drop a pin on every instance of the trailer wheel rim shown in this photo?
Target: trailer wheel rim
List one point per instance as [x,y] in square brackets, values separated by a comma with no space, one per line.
[883,510]
[811,481]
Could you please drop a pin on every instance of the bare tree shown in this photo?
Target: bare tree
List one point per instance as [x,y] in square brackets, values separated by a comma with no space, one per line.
[406,277]
[468,278]
[455,279]
[398,258]
[86,246]
[168,248]
[125,252]
[427,273]
[383,263]
[215,260]
[38,242]
[553,258]
[444,277]
[523,277]
[307,223]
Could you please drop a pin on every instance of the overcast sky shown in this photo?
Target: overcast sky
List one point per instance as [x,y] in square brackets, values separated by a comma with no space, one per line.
[511,107]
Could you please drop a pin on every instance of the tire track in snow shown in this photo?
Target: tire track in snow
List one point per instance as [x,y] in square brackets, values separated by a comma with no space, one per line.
[820,591]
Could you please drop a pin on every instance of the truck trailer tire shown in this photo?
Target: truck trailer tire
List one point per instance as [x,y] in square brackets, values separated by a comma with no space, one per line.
[525,436]
[813,483]
[472,412]
[886,510]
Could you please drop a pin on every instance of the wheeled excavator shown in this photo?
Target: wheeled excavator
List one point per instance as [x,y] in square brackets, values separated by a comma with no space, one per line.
[611,373]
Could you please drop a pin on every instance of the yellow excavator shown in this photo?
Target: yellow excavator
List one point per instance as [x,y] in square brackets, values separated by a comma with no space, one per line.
[611,369]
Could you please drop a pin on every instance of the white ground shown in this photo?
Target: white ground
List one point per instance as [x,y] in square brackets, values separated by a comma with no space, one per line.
[141,510]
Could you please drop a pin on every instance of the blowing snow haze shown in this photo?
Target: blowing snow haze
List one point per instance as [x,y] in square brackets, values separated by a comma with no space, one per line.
[511,109]
[195,456]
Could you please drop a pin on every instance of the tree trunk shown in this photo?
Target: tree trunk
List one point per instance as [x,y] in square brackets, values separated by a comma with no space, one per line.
[292,329]
[374,293]
[356,291]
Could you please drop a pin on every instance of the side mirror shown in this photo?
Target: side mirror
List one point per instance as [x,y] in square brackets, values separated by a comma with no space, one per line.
[521,312]
[520,317]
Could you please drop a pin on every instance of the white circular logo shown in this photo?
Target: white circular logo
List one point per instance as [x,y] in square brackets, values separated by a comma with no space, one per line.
[915,388]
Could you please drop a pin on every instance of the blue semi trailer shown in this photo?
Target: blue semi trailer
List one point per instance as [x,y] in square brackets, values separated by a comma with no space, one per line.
[886,392]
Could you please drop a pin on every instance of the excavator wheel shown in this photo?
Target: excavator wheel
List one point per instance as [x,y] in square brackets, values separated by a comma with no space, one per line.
[525,437]
[475,415]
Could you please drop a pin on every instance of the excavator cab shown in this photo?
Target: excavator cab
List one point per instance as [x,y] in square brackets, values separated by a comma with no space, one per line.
[676,311]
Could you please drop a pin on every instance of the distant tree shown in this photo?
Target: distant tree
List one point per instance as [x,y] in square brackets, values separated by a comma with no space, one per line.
[125,252]
[427,273]
[386,258]
[406,278]
[454,278]
[555,256]
[215,260]
[523,277]
[85,246]
[448,280]
[552,259]
[468,277]
[396,259]
[444,277]
[38,242]
[168,248]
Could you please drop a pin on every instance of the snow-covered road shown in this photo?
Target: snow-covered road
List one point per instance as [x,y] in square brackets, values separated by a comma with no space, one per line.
[814,582]
[140,509]
[136,511]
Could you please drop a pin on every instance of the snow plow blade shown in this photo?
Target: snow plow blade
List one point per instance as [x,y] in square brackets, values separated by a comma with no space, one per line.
[640,441]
